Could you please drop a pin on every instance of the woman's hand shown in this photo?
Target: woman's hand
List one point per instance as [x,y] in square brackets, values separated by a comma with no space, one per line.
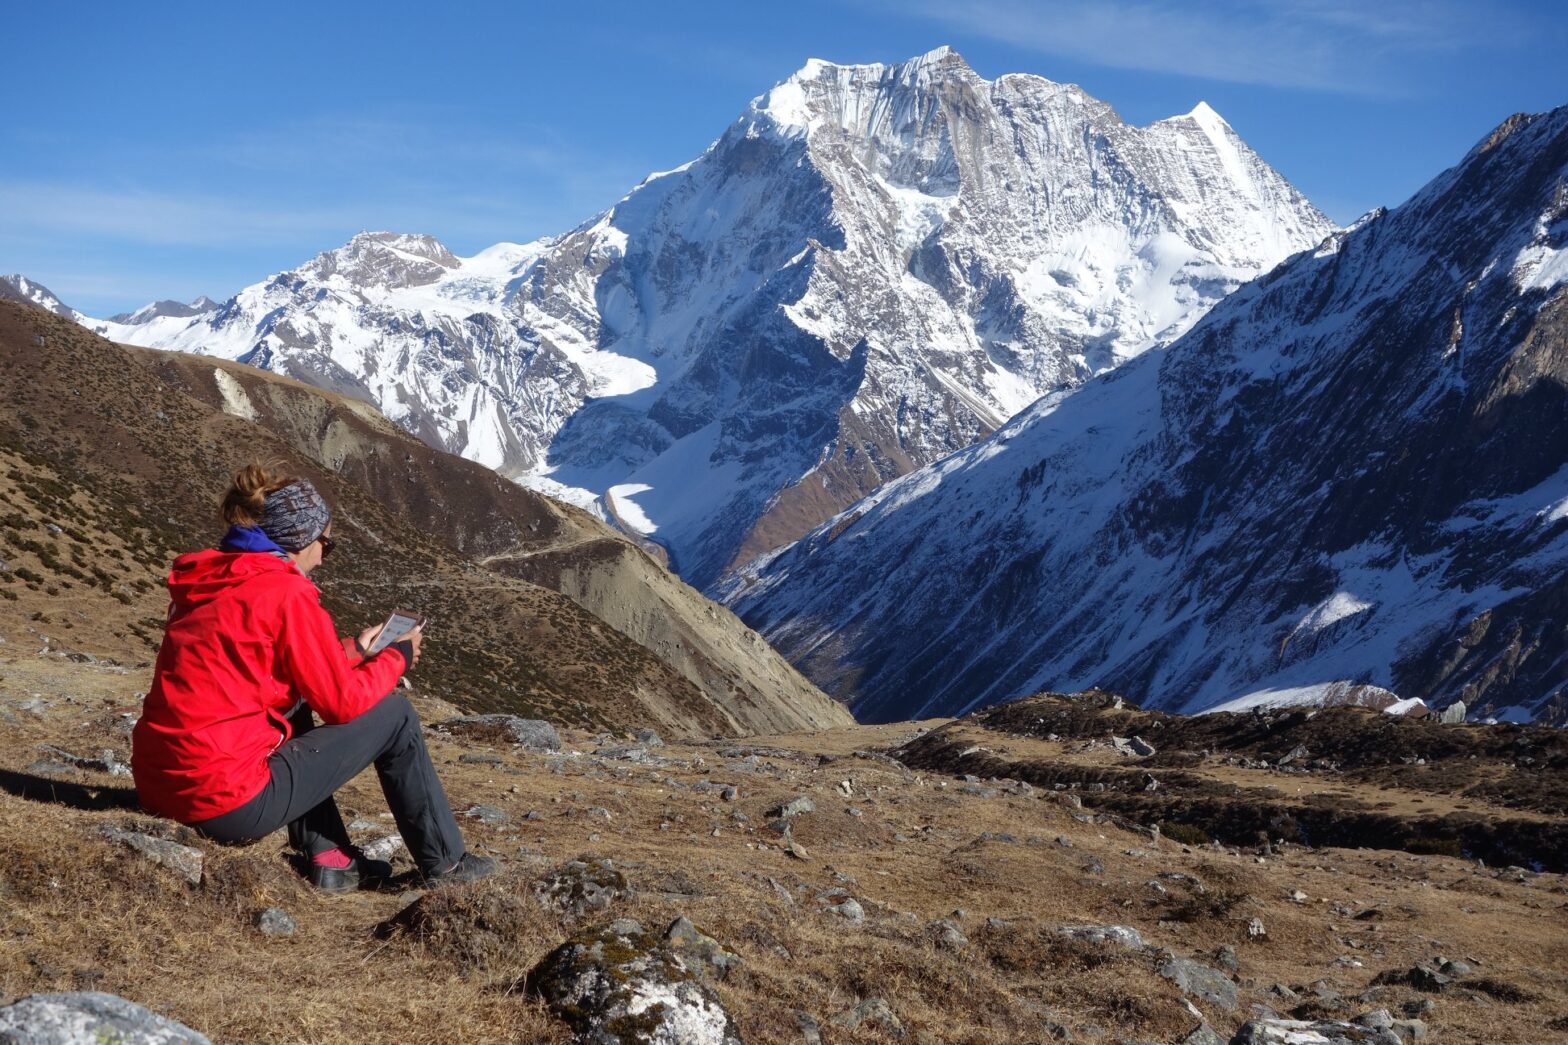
[415,638]
[367,637]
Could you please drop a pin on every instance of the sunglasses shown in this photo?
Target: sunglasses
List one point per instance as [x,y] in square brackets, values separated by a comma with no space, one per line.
[327,544]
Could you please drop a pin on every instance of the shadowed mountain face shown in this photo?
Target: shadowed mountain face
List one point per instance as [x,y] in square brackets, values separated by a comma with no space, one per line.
[112,462]
[872,267]
[1351,471]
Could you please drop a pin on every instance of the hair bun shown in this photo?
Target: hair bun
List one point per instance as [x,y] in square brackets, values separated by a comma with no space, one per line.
[246,497]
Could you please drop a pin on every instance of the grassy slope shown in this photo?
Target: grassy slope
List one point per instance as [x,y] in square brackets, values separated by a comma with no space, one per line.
[122,450]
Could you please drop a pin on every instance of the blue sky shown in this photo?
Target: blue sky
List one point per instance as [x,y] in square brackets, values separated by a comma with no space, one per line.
[169,149]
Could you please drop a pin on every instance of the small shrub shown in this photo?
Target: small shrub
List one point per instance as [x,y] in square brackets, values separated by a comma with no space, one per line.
[1184,834]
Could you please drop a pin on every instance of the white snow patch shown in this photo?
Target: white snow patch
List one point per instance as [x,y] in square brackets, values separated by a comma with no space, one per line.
[1539,267]
[1336,607]
[621,505]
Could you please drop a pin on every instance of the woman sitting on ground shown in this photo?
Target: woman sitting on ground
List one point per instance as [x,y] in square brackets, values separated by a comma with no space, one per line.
[226,742]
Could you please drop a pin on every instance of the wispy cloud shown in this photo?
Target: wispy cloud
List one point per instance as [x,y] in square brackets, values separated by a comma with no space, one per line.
[424,169]
[414,140]
[156,218]
[1342,46]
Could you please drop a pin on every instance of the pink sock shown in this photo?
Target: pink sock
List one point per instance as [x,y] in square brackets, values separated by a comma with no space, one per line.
[332,858]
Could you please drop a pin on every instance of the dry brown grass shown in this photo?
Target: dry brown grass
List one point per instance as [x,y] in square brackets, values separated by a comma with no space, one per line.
[78,911]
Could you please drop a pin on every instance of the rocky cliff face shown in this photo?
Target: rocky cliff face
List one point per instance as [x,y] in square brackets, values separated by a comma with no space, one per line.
[872,267]
[1351,470]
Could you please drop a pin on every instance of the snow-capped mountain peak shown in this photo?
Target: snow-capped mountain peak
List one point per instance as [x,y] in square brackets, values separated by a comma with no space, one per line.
[167,309]
[1348,474]
[18,287]
[383,259]
[872,267]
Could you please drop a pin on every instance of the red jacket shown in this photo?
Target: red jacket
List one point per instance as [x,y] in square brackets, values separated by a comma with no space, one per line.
[246,636]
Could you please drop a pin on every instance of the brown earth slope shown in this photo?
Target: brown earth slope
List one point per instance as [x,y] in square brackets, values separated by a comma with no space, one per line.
[110,461]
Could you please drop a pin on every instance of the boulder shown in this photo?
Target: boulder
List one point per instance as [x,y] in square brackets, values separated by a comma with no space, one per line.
[1136,747]
[797,806]
[183,860]
[1198,980]
[849,910]
[532,733]
[617,984]
[90,1018]
[648,737]
[1453,713]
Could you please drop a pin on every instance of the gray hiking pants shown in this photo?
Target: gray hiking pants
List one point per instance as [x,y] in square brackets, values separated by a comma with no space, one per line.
[317,760]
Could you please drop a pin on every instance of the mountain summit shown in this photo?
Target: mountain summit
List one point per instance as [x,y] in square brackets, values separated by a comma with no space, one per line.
[1349,473]
[874,266]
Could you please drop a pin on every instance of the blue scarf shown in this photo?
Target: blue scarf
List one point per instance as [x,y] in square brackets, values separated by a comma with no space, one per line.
[250,539]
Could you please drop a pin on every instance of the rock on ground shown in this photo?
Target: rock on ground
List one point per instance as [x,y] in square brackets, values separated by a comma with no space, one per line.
[90,1018]
[532,733]
[874,1011]
[587,885]
[1115,935]
[699,950]
[798,806]
[617,984]
[183,860]
[1307,1032]
[1199,980]
[275,921]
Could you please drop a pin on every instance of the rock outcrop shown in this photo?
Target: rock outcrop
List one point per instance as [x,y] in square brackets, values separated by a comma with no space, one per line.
[617,984]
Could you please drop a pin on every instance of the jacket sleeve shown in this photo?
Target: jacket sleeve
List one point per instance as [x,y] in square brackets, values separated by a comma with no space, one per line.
[312,658]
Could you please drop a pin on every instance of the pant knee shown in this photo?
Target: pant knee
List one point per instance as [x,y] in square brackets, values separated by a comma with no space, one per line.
[401,717]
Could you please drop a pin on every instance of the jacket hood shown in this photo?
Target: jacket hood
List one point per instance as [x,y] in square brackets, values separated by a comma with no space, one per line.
[200,577]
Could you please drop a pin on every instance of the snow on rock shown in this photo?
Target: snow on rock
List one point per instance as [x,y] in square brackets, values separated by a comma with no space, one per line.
[872,267]
[1344,485]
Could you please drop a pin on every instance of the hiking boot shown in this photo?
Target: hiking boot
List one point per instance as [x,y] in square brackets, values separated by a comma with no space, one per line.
[360,873]
[470,867]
